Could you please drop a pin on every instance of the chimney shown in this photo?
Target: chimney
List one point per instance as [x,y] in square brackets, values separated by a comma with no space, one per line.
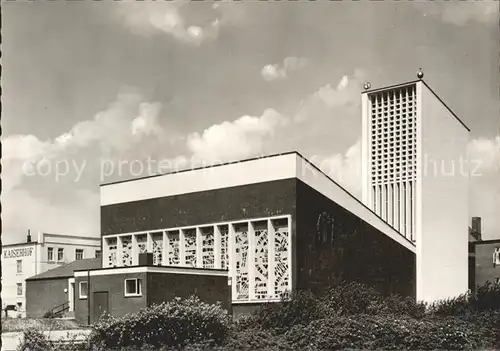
[476,226]
[146,259]
[28,238]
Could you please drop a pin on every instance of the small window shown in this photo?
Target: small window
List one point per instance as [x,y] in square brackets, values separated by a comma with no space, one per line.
[98,254]
[133,287]
[83,289]
[79,254]
[19,306]
[60,254]
[50,254]
[19,264]
[19,289]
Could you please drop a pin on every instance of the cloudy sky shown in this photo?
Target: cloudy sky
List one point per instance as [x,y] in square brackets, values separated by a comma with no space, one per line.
[92,91]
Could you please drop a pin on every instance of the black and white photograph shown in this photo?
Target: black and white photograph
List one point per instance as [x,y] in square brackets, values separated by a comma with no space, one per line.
[250,175]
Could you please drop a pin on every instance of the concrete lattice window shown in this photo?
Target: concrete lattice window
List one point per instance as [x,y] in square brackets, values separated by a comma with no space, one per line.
[261,260]
[112,244]
[173,252]
[224,249]
[126,251]
[133,287]
[190,247]
[281,260]
[208,242]
[158,248]
[83,289]
[19,289]
[241,260]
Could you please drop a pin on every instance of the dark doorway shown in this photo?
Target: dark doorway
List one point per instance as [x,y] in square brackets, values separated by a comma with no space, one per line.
[100,304]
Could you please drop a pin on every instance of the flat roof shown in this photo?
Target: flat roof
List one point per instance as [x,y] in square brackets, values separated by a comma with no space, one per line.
[377,90]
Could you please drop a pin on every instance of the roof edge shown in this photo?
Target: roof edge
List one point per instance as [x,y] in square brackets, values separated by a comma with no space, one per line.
[201,167]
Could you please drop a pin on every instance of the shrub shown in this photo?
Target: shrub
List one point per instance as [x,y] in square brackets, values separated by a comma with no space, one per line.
[349,298]
[384,332]
[487,297]
[34,339]
[256,339]
[452,307]
[301,307]
[175,323]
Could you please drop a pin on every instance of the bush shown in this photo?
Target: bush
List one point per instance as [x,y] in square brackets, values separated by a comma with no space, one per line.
[175,323]
[302,307]
[487,297]
[384,332]
[34,339]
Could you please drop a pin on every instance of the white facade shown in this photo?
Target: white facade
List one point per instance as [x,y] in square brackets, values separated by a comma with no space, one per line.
[24,260]
[415,177]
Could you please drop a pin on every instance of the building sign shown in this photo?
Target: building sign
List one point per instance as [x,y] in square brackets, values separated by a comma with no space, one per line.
[14,253]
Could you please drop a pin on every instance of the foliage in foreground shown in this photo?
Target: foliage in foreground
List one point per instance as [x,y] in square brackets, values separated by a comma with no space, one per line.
[348,316]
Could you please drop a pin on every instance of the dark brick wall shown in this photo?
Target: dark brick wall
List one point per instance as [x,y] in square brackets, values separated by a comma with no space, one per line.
[166,286]
[484,268]
[333,245]
[247,201]
[43,295]
[119,305]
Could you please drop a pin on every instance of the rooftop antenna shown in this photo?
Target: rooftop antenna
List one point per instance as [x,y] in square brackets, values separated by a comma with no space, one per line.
[420,73]
[28,239]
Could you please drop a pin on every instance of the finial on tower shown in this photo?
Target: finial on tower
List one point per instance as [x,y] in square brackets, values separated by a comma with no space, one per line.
[420,73]
[367,85]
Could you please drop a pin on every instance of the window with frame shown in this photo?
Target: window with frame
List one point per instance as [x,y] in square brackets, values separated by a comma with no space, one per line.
[98,254]
[79,254]
[133,287]
[19,289]
[50,254]
[60,254]
[83,290]
[19,264]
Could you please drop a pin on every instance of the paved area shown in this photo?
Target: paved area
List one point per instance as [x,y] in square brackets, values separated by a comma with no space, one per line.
[11,340]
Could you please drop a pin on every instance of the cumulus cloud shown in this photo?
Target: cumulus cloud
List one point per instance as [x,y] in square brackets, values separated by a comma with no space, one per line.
[148,18]
[125,121]
[344,168]
[240,138]
[462,12]
[280,71]
[342,96]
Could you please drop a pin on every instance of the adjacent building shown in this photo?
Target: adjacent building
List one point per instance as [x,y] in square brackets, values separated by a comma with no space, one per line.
[37,255]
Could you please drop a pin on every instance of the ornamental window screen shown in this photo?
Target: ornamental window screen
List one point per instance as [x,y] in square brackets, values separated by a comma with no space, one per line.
[173,248]
[142,243]
[281,258]
[208,245]
[190,247]
[241,261]
[256,253]
[261,259]
[157,248]
[112,249]
[224,247]
[126,251]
